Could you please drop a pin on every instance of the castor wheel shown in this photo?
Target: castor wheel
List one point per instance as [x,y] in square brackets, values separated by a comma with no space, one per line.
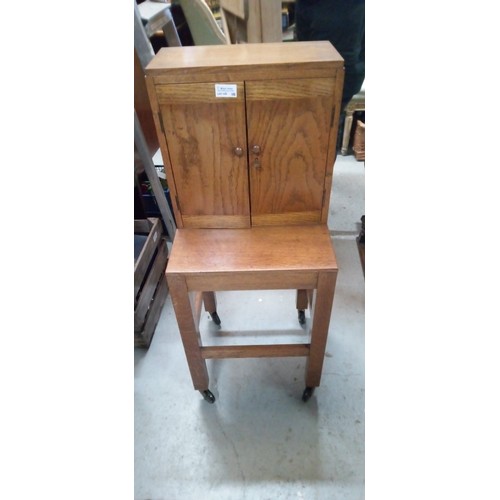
[208,396]
[308,392]
[302,317]
[215,318]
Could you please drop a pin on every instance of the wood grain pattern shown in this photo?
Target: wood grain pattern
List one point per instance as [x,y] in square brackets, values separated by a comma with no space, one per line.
[143,339]
[332,143]
[147,252]
[263,280]
[290,89]
[210,179]
[196,299]
[281,248]
[255,351]
[287,218]
[174,61]
[248,73]
[147,291]
[292,130]
[188,329]
[207,260]
[195,93]
[216,221]
[287,105]
[164,149]
[320,324]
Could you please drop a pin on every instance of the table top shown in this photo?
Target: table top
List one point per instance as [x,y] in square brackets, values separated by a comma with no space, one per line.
[264,248]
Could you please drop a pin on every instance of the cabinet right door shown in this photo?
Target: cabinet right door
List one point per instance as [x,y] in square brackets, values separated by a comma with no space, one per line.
[288,127]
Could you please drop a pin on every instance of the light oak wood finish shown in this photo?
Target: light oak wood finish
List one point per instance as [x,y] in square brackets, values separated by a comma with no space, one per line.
[321,312]
[202,154]
[196,299]
[253,281]
[262,157]
[250,172]
[287,176]
[300,249]
[251,61]
[189,331]
[299,257]
[255,351]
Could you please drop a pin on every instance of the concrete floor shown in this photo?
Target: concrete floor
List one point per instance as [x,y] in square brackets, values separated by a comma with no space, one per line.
[259,440]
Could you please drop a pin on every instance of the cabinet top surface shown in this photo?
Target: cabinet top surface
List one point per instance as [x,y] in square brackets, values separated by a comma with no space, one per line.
[244,55]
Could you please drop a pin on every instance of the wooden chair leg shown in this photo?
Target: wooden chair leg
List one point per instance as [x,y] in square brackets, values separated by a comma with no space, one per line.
[321,322]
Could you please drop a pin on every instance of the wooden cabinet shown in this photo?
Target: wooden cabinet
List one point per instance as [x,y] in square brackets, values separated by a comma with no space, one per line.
[247,132]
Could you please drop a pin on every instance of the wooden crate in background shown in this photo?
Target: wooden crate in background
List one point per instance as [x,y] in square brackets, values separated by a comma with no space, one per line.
[150,284]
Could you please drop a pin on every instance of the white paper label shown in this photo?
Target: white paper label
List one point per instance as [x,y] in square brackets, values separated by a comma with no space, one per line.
[226,90]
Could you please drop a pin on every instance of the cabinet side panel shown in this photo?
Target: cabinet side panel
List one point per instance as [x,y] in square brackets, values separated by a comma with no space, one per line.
[289,122]
[203,134]
[332,143]
[153,99]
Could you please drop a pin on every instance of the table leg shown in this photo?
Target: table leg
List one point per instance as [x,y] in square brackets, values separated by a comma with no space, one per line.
[302,299]
[210,302]
[320,323]
[302,302]
[189,331]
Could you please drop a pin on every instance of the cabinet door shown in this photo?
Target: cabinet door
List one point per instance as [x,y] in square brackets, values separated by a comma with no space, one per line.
[206,139]
[288,139]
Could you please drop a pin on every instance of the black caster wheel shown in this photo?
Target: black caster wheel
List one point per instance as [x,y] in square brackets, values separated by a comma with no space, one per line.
[215,318]
[308,392]
[208,396]
[302,317]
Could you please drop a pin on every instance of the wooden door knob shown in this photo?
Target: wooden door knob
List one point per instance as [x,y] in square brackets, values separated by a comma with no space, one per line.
[238,151]
[256,149]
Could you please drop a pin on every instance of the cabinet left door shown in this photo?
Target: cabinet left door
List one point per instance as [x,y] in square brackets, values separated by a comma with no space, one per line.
[205,132]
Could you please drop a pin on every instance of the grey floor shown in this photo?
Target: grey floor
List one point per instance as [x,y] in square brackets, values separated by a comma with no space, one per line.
[259,440]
